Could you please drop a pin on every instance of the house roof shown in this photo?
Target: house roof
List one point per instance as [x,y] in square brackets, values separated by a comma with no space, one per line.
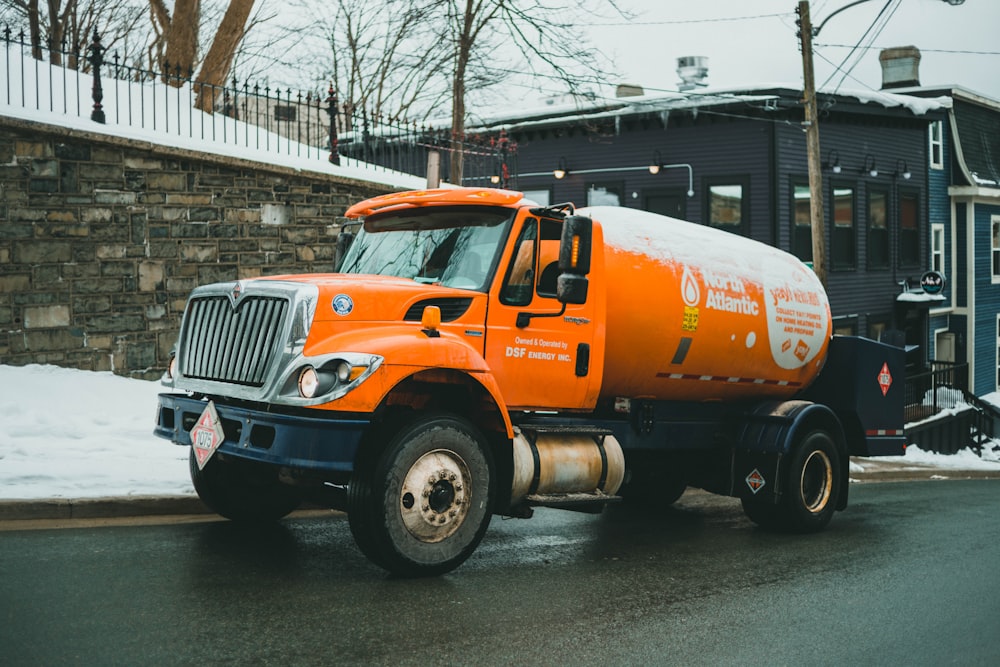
[976,131]
[762,98]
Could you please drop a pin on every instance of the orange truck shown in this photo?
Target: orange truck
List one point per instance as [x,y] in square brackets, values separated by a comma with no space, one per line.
[478,353]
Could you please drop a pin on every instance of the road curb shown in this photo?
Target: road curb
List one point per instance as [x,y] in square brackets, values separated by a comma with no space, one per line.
[100,508]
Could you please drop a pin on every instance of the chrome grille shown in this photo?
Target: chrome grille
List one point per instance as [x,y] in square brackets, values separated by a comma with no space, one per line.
[236,345]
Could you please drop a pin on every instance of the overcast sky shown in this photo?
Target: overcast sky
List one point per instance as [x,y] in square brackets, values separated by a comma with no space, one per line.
[765,50]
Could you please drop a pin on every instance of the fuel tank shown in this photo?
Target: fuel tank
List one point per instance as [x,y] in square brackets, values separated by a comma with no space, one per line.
[696,313]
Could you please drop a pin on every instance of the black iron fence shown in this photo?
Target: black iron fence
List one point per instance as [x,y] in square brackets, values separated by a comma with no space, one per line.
[311,125]
[942,387]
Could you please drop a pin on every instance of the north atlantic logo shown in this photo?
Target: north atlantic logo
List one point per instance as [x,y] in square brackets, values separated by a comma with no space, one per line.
[342,304]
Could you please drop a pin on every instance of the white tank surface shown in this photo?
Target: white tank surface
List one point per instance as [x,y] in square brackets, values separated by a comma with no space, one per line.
[696,313]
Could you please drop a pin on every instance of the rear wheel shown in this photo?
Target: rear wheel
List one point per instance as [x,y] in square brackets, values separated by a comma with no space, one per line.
[422,505]
[242,490]
[810,489]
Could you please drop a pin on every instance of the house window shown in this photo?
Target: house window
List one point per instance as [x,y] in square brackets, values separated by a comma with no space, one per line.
[877,327]
[937,247]
[936,135]
[842,237]
[909,229]
[801,223]
[845,326]
[878,230]
[605,194]
[995,249]
[284,112]
[727,206]
[542,197]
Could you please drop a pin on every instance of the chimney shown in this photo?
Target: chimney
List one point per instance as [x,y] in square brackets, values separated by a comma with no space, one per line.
[693,70]
[629,90]
[900,67]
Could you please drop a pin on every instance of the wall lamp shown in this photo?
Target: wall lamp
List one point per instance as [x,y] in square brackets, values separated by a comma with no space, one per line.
[833,162]
[869,166]
[560,171]
[902,170]
[654,166]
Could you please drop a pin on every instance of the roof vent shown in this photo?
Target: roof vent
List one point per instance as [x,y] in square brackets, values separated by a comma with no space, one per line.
[693,70]
[900,67]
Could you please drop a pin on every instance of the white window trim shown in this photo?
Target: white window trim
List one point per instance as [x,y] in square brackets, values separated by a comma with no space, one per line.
[932,142]
[994,221]
[937,232]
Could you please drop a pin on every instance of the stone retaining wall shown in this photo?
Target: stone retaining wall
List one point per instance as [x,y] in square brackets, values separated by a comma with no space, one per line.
[102,239]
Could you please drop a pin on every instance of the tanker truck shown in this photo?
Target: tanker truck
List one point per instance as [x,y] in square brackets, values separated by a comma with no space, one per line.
[479,354]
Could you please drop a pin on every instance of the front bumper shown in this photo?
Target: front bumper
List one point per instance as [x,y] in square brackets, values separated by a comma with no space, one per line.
[328,444]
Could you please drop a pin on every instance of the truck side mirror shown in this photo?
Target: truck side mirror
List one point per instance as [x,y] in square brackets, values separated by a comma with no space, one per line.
[574,259]
[344,241]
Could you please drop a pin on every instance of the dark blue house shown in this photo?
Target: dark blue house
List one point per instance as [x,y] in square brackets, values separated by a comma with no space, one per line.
[964,205]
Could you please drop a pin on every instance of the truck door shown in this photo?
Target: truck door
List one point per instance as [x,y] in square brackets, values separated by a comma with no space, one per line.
[551,361]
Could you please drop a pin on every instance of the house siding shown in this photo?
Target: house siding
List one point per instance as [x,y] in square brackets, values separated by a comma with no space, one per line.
[987,302]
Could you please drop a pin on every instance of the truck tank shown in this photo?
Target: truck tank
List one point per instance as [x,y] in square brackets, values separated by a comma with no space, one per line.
[699,314]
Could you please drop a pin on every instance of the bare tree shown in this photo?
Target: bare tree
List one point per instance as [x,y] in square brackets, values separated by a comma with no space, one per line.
[542,30]
[219,59]
[176,45]
[68,28]
[381,56]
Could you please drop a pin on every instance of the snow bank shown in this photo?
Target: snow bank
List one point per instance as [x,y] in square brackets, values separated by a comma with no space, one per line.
[76,434]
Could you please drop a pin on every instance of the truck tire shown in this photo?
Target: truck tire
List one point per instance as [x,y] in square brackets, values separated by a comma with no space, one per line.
[421,505]
[242,491]
[653,489]
[809,489]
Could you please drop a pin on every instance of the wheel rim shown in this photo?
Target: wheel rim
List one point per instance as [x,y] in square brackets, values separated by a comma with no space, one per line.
[433,500]
[816,483]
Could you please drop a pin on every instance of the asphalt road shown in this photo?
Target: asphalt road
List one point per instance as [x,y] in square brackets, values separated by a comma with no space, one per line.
[907,575]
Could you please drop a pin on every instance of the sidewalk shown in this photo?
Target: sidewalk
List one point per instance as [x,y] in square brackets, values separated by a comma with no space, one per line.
[122,507]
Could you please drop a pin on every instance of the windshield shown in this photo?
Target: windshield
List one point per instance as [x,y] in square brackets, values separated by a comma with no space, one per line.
[450,246]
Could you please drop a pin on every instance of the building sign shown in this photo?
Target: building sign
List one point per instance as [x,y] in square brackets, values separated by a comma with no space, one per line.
[932,282]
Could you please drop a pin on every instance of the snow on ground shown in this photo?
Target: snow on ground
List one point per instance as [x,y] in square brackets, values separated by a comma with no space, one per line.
[71,434]
[68,433]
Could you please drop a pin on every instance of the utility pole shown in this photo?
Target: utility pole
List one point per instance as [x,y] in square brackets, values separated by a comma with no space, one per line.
[812,144]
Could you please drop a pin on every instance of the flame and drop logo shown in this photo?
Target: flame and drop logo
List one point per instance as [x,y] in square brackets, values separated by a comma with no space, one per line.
[690,292]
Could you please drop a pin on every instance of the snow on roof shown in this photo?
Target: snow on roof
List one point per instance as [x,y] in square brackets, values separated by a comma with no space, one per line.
[919,297]
[609,107]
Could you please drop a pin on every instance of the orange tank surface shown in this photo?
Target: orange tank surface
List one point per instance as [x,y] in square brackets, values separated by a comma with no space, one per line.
[695,313]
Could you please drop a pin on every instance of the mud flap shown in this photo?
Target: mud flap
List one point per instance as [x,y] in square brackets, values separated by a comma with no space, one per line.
[756,475]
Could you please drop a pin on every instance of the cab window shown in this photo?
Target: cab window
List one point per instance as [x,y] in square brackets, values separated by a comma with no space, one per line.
[519,282]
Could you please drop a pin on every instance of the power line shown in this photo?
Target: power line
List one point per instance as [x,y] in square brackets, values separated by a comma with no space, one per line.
[688,21]
[856,47]
[922,50]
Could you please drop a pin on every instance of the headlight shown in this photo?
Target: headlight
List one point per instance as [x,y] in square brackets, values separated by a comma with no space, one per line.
[308,382]
[319,379]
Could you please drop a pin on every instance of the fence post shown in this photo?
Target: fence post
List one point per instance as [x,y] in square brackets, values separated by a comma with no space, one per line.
[96,60]
[331,108]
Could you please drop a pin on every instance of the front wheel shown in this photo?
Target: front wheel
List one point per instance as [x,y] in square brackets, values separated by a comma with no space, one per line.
[242,490]
[810,489]
[422,505]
